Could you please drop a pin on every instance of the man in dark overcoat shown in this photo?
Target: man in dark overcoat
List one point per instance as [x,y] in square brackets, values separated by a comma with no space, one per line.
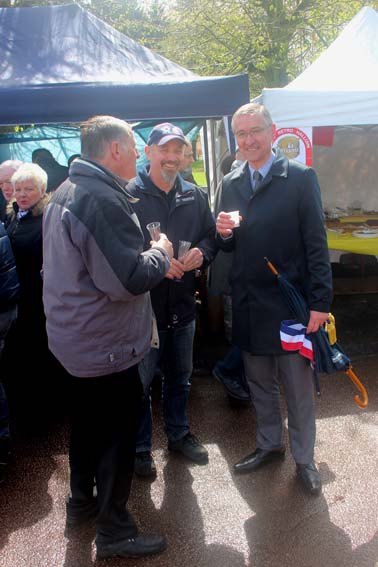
[281,217]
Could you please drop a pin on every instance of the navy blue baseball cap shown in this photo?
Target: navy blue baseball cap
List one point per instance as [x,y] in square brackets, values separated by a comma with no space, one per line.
[163,133]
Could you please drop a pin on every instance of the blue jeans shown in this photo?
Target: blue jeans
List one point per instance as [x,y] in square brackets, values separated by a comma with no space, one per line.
[175,358]
[7,318]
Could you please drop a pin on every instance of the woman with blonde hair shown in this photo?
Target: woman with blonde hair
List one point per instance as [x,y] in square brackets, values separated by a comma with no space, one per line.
[28,354]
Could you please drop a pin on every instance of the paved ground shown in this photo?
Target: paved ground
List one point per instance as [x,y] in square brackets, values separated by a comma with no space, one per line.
[210,517]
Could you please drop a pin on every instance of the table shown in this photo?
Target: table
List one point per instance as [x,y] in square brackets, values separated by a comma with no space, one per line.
[347,242]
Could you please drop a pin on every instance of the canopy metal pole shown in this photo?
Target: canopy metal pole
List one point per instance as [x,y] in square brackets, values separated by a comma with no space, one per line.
[210,157]
[206,153]
[214,180]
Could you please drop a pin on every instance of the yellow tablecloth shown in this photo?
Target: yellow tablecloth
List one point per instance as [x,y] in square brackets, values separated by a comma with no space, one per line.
[350,243]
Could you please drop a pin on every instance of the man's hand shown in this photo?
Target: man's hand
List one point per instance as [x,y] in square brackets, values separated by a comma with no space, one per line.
[224,224]
[193,259]
[176,270]
[164,243]
[317,319]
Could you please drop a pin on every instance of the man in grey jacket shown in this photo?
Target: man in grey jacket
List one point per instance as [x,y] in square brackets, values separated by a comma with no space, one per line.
[99,320]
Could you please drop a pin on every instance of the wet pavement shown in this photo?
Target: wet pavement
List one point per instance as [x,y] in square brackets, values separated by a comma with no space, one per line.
[212,518]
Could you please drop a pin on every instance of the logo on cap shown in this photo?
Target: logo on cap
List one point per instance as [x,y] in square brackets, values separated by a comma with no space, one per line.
[163,133]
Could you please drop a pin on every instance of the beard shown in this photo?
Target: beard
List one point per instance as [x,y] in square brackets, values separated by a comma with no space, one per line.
[169,177]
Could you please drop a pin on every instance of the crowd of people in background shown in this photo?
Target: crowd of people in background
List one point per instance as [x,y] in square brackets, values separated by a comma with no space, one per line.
[25,189]
[91,299]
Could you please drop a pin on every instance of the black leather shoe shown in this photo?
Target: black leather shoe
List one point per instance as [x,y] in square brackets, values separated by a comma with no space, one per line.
[144,465]
[191,448]
[79,513]
[137,546]
[257,459]
[233,387]
[310,478]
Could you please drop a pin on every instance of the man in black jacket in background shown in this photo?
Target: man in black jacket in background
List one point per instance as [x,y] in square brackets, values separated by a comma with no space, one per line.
[56,173]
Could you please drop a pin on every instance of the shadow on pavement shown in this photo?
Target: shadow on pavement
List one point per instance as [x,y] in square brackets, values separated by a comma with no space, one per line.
[24,496]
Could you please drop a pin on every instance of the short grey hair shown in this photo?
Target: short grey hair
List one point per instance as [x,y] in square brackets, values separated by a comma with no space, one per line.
[31,172]
[99,131]
[252,108]
[8,167]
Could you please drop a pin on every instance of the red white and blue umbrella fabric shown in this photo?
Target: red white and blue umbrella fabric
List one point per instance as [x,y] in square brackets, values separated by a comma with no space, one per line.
[324,356]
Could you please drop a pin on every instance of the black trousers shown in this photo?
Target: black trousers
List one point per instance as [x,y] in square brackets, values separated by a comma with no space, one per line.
[104,419]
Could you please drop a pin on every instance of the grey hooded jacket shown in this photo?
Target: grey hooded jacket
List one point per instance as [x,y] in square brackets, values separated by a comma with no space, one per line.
[96,275]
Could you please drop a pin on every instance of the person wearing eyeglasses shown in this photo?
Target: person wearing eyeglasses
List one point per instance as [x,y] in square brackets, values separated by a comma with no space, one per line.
[281,217]
[7,169]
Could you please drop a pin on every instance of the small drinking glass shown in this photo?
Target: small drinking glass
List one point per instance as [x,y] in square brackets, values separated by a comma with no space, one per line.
[154,230]
[183,249]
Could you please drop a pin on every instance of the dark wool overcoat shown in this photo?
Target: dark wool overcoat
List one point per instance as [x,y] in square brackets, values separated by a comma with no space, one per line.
[282,220]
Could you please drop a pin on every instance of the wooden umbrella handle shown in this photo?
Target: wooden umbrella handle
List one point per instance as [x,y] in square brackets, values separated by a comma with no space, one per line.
[364,402]
[270,266]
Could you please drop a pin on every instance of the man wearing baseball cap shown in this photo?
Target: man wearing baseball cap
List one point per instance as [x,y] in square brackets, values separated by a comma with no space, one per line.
[184,214]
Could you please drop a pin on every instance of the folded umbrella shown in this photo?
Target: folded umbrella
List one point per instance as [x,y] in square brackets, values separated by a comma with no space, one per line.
[328,357]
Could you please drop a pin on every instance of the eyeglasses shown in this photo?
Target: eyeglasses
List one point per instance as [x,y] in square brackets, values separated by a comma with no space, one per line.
[243,134]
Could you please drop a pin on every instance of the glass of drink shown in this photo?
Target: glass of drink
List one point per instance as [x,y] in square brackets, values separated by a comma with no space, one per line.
[154,230]
[183,249]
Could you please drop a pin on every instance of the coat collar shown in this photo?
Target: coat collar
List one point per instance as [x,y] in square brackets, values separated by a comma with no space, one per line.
[242,178]
[279,168]
[97,169]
